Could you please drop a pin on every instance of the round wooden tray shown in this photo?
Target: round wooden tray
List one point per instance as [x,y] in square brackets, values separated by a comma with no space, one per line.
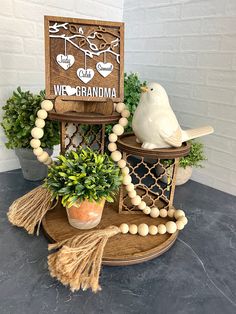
[127,143]
[84,117]
[121,249]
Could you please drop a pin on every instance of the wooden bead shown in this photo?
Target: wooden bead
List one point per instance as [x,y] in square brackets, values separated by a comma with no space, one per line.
[147,210]
[179,213]
[125,113]
[118,129]
[143,230]
[124,228]
[183,219]
[43,157]
[129,187]
[40,123]
[136,200]
[42,114]
[48,161]
[133,229]
[120,107]
[37,133]
[123,122]
[132,194]
[179,225]
[171,212]
[127,179]
[142,205]
[112,147]
[121,163]
[171,227]
[163,212]
[113,137]
[35,143]
[161,229]
[153,230]
[47,105]
[116,155]
[38,151]
[125,170]
[155,212]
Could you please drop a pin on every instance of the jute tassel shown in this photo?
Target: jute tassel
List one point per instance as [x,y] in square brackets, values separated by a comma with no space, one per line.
[29,210]
[78,261]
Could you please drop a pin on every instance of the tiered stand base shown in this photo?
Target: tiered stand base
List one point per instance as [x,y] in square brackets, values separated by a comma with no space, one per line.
[122,249]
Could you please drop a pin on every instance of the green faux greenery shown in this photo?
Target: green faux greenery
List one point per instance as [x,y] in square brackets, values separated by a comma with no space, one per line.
[132,93]
[193,159]
[83,174]
[19,117]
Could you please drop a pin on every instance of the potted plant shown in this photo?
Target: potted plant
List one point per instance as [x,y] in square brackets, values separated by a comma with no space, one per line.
[186,164]
[18,119]
[84,180]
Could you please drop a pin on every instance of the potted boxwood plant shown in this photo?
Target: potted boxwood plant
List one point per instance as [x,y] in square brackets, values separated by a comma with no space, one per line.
[18,119]
[186,164]
[84,180]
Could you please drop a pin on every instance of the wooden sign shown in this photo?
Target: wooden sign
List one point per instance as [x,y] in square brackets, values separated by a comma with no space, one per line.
[84,59]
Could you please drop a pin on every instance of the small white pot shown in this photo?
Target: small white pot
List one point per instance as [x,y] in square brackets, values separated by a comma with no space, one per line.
[182,175]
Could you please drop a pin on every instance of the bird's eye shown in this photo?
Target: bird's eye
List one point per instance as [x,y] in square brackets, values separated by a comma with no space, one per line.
[151,89]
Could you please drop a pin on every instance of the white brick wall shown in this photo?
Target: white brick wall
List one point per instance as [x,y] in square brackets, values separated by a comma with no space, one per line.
[22,46]
[190,47]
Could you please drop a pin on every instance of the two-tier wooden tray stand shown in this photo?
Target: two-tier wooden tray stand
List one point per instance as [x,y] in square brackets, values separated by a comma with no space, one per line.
[87,127]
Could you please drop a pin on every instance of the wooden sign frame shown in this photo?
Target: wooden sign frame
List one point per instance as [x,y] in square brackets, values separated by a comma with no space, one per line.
[74,67]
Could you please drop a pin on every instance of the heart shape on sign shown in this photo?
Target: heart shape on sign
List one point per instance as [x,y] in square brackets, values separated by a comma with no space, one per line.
[104,68]
[65,61]
[85,75]
[70,90]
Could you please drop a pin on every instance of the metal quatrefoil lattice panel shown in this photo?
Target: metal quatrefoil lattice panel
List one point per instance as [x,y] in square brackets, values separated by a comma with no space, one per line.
[154,182]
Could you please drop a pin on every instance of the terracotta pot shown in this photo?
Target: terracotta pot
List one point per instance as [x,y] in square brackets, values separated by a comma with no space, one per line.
[182,175]
[85,214]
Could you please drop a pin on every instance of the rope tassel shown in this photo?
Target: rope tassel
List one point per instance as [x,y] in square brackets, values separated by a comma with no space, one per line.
[29,210]
[78,261]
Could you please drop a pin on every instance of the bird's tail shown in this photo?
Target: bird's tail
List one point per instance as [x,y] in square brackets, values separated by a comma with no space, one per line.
[194,133]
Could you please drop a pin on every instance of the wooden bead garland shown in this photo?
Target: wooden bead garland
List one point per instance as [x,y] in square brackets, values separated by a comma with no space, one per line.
[142,229]
[37,133]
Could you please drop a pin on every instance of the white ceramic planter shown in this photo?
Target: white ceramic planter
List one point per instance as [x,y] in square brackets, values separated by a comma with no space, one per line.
[182,175]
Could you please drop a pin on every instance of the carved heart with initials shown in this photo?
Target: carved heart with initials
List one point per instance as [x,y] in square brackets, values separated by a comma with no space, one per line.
[85,75]
[70,90]
[65,61]
[104,68]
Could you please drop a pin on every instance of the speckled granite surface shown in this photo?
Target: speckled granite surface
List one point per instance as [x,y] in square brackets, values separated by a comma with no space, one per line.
[197,275]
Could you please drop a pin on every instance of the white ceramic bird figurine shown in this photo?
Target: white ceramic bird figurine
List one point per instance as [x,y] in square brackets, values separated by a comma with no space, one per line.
[155,124]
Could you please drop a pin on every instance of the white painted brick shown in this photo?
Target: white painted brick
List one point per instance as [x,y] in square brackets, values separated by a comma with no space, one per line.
[145,58]
[157,73]
[222,78]
[230,8]
[8,77]
[40,31]
[188,105]
[228,43]
[9,164]
[221,111]
[179,59]
[191,75]
[116,4]
[217,60]
[218,142]
[68,4]
[203,8]
[219,25]
[177,89]
[182,27]
[17,62]
[11,44]
[200,43]
[152,44]
[34,46]
[151,30]
[214,94]
[163,13]
[21,28]
[224,159]
[134,15]
[6,7]
[29,11]
[31,78]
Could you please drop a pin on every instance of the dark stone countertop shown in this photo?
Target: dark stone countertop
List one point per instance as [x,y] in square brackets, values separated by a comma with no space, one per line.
[197,275]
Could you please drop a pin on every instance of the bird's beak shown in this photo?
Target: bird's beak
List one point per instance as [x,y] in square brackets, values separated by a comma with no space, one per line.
[144,89]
